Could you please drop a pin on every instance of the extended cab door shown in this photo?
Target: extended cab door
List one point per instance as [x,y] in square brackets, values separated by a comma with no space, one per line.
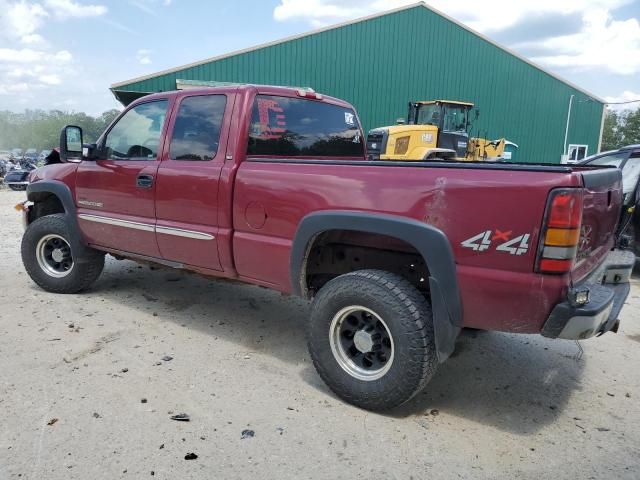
[115,194]
[188,177]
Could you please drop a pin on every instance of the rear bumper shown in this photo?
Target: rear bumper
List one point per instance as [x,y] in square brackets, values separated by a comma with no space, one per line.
[608,289]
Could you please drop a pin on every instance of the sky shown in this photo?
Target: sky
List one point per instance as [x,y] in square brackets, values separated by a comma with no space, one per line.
[64,54]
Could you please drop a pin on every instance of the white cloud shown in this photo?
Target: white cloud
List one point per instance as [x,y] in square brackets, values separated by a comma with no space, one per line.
[27,55]
[320,10]
[33,39]
[494,15]
[20,19]
[70,9]
[28,63]
[618,102]
[13,88]
[144,56]
[51,79]
[63,56]
[602,43]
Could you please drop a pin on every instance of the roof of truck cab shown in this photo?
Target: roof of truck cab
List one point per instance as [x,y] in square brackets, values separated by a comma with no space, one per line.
[455,102]
[258,89]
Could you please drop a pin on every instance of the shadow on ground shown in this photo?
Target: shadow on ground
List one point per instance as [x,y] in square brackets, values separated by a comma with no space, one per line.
[515,383]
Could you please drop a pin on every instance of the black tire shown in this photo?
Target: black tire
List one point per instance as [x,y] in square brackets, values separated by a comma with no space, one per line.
[18,188]
[407,316]
[82,271]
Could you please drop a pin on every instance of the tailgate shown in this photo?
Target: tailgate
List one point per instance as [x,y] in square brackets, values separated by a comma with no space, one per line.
[601,211]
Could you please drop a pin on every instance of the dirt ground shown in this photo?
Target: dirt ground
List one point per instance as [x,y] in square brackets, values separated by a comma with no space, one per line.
[86,394]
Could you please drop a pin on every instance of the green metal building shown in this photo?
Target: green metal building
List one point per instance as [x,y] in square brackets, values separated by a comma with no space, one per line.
[379,63]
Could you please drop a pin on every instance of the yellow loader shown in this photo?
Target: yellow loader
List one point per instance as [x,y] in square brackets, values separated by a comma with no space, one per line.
[434,129]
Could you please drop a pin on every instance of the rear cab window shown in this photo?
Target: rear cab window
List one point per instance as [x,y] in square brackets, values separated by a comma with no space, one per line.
[295,127]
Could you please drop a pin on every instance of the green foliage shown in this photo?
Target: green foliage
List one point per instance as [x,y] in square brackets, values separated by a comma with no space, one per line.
[631,128]
[611,134]
[40,129]
[620,129]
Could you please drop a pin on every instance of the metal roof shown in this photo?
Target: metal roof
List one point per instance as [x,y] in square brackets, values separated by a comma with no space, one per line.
[116,86]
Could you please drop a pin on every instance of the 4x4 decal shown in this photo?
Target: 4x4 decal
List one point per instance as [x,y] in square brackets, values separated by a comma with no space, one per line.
[483,241]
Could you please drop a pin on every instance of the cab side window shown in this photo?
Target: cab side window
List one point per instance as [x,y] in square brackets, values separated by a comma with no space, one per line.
[136,136]
[196,132]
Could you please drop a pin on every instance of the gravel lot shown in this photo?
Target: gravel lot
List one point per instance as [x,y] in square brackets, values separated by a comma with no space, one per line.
[505,406]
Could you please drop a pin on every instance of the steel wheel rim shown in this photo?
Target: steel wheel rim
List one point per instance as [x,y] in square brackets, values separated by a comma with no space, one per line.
[53,253]
[361,343]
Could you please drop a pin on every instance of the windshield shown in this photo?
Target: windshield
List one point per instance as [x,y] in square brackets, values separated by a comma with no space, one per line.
[455,116]
[429,115]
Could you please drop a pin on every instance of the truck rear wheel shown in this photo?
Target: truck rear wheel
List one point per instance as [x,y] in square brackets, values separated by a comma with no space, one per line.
[371,339]
[49,260]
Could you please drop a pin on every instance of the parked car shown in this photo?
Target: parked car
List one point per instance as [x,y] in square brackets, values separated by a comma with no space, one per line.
[271,186]
[16,154]
[43,155]
[31,154]
[17,177]
[627,159]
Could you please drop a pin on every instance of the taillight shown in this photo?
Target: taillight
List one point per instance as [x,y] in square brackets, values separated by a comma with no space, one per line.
[561,231]
[309,94]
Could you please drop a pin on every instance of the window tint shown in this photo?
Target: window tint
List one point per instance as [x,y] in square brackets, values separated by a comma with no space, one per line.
[630,175]
[296,127]
[197,128]
[429,114]
[615,160]
[137,133]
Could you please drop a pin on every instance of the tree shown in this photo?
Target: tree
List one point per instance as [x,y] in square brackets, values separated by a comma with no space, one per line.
[611,134]
[630,130]
[40,129]
[620,129]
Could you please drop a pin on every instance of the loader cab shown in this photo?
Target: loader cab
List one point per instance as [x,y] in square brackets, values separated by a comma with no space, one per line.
[452,120]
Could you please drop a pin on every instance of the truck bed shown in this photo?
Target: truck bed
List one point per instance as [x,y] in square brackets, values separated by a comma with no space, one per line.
[462,199]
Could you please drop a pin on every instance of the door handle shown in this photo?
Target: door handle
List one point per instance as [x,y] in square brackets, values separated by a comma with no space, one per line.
[144,181]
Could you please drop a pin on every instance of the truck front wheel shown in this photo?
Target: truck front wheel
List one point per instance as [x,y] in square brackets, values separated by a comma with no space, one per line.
[371,339]
[49,260]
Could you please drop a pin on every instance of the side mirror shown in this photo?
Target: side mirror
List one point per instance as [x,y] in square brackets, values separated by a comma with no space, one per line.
[477,112]
[71,144]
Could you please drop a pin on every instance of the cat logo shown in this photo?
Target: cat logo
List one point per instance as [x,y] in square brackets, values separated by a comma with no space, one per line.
[427,137]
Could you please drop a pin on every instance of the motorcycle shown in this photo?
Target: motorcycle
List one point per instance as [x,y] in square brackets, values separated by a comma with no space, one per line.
[17,179]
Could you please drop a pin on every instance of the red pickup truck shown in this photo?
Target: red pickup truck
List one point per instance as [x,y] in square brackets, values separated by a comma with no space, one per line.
[271,186]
